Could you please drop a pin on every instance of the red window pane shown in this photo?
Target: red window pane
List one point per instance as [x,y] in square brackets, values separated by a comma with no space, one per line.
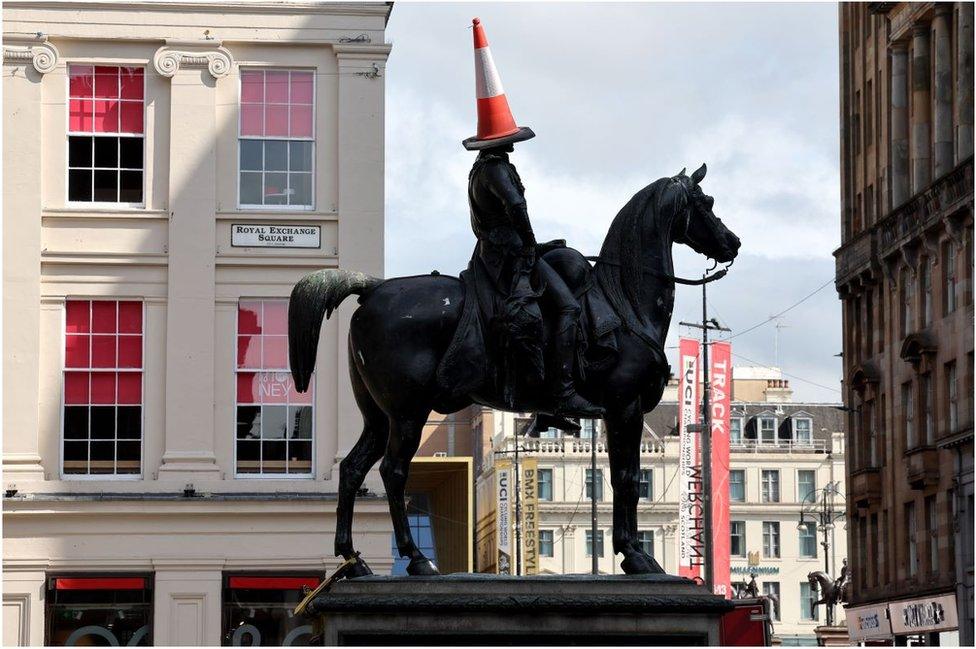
[130,351]
[249,317]
[103,387]
[275,352]
[302,399]
[76,351]
[275,317]
[247,388]
[130,317]
[276,87]
[301,87]
[103,351]
[301,121]
[77,316]
[130,388]
[80,115]
[276,121]
[81,81]
[273,387]
[106,116]
[131,117]
[252,86]
[106,82]
[103,316]
[252,119]
[75,388]
[132,83]
[249,352]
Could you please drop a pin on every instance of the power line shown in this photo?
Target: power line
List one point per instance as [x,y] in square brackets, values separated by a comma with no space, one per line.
[792,376]
[789,308]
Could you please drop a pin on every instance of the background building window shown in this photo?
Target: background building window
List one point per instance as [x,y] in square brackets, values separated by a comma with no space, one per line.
[909,422]
[907,300]
[806,481]
[107,610]
[275,424]
[105,134]
[952,396]
[737,544]
[102,416]
[277,143]
[926,279]
[911,532]
[587,428]
[545,484]
[932,523]
[599,543]
[771,590]
[735,430]
[646,540]
[257,610]
[599,484]
[807,597]
[770,486]
[737,485]
[803,430]
[771,539]
[928,415]
[950,296]
[546,543]
[421,529]
[767,430]
[645,487]
[808,540]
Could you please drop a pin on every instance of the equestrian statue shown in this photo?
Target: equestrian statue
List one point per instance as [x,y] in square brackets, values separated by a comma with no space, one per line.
[832,592]
[528,327]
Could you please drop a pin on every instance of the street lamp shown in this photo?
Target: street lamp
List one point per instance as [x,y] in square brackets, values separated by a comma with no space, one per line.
[818,506]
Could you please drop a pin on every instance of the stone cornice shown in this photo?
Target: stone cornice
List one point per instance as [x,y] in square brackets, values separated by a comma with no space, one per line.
[362,52]
[36,50]
[215,6]
[178,54]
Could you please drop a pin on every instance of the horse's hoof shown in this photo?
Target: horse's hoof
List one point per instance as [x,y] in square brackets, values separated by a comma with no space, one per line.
[640,564]
[422,567]
[358,569]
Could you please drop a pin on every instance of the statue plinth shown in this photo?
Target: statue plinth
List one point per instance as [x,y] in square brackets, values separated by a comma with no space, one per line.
[832,636]
[467,609]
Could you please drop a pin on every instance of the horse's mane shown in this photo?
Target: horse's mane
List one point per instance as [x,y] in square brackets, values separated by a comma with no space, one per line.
[622,249]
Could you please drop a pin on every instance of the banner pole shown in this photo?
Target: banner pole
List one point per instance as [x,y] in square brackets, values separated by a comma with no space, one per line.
[706,459]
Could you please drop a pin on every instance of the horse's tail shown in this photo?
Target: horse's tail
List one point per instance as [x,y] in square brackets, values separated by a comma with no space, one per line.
[313,300]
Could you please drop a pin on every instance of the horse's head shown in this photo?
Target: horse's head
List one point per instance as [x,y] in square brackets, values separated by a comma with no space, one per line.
[695,224]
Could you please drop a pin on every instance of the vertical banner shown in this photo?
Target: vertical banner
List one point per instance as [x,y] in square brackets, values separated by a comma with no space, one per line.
[530,514]
[504,481]
[720,378]
[691,513]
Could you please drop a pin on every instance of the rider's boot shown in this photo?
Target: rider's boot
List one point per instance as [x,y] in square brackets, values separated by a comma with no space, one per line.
[568,401]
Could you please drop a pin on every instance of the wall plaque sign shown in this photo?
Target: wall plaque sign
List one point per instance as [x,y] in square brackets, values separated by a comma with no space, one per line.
[868,622]
[258,235]
[936,613]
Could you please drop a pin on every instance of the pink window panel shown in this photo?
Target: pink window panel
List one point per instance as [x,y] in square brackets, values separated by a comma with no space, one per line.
[275,354]
[106,116]
[297,398]
[104,316]
[276,87]
[103,388]
[249,352]
[106,82]
[273,387]
[81,115]
[130,317]
[246,388]
[81,81]
[75,388]
[252,119]
[103,351]
[130,388]
[130,117]
[302,86]
[130,352]
[131,83]
[275,320]
[301,121]
[76,350]
[77,316]
[276,120]
[252,86]
[249,317]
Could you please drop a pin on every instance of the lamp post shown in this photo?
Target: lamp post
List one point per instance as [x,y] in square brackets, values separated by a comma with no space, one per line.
[818,505]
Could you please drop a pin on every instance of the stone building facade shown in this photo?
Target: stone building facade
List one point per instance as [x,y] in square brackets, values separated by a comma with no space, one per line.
[171,169]
[904,274]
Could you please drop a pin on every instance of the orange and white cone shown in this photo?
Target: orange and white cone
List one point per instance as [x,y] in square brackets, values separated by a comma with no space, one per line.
[496,125]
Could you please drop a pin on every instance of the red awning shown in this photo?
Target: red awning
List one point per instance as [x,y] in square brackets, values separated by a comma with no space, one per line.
[274,583]
[99,583]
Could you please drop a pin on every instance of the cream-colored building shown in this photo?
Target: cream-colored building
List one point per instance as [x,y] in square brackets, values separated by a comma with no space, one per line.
[781,451]
[170,170]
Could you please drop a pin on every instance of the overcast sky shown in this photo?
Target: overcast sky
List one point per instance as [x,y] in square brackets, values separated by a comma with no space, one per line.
[620,95]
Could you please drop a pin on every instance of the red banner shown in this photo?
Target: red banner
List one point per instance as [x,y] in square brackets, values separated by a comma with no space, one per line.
[691,514]
[720,380]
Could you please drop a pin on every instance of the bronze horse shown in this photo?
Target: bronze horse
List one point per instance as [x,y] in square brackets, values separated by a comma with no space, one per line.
[403,326]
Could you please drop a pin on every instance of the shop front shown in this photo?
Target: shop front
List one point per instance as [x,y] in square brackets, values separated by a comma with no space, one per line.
[926,621]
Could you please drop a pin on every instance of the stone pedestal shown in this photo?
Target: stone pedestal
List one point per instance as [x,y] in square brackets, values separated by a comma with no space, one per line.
[832,636]
[476,609]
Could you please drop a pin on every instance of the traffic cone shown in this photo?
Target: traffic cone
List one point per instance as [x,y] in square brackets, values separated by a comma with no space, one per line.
[496,125]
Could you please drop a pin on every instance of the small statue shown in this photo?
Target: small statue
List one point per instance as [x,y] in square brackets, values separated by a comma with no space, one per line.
[750,590]
[832,592]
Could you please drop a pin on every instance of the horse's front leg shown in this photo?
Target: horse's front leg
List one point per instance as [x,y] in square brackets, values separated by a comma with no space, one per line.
[625,427]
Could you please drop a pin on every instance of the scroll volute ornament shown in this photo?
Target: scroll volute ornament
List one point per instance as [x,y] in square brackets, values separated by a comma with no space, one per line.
[177,54]
[36,50]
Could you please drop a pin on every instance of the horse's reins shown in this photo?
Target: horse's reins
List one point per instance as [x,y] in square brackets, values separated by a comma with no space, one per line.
[672,278]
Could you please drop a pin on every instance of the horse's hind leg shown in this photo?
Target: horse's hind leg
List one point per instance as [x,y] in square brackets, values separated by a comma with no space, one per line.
[403,443]
[354,467]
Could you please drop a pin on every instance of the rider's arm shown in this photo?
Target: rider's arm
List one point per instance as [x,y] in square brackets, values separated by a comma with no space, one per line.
[503,186]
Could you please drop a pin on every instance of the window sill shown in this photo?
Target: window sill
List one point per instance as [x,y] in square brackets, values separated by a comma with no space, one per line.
[103,210]
[276,214]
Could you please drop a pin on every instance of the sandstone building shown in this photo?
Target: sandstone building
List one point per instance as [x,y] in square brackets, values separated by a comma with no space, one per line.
[905,273]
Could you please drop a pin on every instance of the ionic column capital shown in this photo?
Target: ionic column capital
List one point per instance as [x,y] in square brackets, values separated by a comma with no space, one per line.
[36,50]
[177,54]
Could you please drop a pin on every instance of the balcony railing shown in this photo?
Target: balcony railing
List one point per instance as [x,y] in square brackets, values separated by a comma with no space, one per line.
[779,446]
[574,446]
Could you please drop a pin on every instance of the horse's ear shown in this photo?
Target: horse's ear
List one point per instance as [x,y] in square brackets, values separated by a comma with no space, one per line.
[681,173]
[699,175]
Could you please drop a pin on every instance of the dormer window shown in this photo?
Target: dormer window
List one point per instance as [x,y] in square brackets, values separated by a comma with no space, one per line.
[767,430]
[803,430]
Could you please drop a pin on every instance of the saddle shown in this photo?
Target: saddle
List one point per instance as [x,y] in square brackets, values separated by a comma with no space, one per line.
[473,364]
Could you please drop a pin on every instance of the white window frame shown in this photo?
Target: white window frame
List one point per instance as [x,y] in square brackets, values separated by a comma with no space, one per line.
[261,475]
[796,430]
[599,540]
[650,483]
[762,486]
[812,527]
[732,525]
[314,140]
[101,205]
[774,534]
[142,404]
[552,479]
[775,438]
[732,440]
[808,613]
[744,493]
[799,498]
[552,543]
